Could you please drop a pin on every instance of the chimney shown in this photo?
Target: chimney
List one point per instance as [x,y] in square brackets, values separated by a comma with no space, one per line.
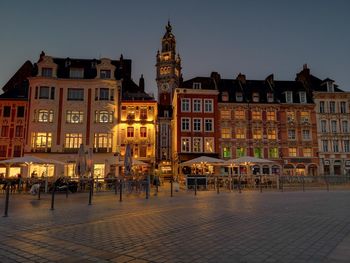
[42,55]
[241,78]
[216,78]
[142,83]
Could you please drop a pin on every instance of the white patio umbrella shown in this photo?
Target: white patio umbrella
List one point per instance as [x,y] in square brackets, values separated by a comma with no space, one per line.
[203,159]
[80,166]
[248,160]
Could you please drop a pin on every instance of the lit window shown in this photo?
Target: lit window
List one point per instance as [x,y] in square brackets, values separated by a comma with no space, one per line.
[256,115]
[197,125]
[143,113]
[273,152]
[305,117]
[46,72]
[75,94]
[226,152]
[258,153]
[185,124]
[307,152]
[208,125]
[225,114]
[239,96]
[292,152]
[291,135]
[289,97]
[103,116]
[271,134]
[76,73]
[239,114]
[103,142]
[197,105]
[209,145]
[257,134]
[130,132]
[74,116]
[208,105]
[226,133]
[73,140]
[290,116]
[302,96]
[105,74]
[45,116]
[197,144]
[306,135]
[41,140]
[185,105]
[143,132]
[240,133]
[185,144]
[271,115]
[240,152]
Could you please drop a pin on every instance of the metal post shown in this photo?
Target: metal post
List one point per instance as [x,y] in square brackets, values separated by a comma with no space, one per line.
[303,184]
[90,192]
[260,183]
[195,186]
[115,186]
[67,190]
[239,184]
[282,184]
[7,199]
[120,190]
[39,192]
[46,184]
[171,187]
[147,187]
[217,185]
[53,197]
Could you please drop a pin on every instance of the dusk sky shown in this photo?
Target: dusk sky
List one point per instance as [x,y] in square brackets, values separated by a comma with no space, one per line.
[256,38]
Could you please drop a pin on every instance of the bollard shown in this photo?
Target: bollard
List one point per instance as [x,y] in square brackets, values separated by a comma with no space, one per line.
[115,186]
[147,187]
[7,200]
[282,185]
[120,190]
[53,197]
[171,187]
[39,192]
[260,184]
[90,192]
[46,184]
[195,186]
[217,185]
[303,184]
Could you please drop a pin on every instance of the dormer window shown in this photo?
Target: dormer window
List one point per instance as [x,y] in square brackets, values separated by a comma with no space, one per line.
[46,72]
[289,97]
[302,96]
[105,74]
[255,97]
[67,63]
[197,85]
[269,97]
[330,86]
[76,73]
[239,96]
[224,96]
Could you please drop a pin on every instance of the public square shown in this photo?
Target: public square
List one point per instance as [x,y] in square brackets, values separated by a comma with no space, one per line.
[295,226]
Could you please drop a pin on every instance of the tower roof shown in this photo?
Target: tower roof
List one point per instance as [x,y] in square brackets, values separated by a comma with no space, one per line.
[168,33]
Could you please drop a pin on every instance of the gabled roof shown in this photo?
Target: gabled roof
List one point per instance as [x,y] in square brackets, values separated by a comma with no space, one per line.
[17,80]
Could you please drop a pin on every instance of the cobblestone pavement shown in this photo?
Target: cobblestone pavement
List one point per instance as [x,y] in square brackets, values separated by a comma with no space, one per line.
[309,226]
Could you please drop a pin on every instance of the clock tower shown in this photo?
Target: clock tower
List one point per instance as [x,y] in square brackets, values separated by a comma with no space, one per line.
[168,67]
[168,76]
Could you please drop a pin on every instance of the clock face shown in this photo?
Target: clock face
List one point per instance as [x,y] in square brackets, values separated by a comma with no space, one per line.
[44,117]
[165,87]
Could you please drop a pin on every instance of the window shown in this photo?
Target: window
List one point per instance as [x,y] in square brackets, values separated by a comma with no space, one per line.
[75,94]
[226,152]
[271,115]
[130,132]
[197,85]
[307,152]
[345,126]
[292,152]
[52,96]
[7,111]
[306,135]
[322,108]
[209,145]
[103,142]
[324,145]
[255,97]
[185,144]
[335,146]
[44,92]
[273,152]
[342,107]
[257,133]
[105,74]
[143,151]
[143,113]
[104,94]
[41,140]
[76,73]
[17,151]
[302,96]
[197,105]
[226,133]
[3,150]
[330,86]
[269,97]
[197,125]
[239,96]
[334,126]
[5,131]
[46,72]
[346,146]
[185,124]
[256,115]
[73,140]
[130,114]
[304,117]
[239,114]
[290,116]
[143,132]
[332,106]
[291,135]
[103,116]
[258,153]
[20,111]
[240,152]
[240,133]
[323,126]
[208,125]
[225,114]
[45,116]
[271,134]
[185,105]
[19,131]
[289,97]
[224,96]
[74,117]
[197,145]
[208,105]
